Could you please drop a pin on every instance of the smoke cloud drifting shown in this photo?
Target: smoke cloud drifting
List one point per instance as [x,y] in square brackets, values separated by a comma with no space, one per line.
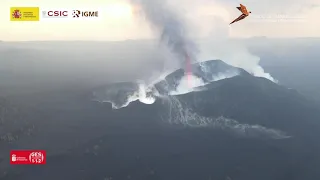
[173,34]
[235,54]
[170,26]
[173,29]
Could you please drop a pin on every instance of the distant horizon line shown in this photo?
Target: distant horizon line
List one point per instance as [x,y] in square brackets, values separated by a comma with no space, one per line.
[255,37]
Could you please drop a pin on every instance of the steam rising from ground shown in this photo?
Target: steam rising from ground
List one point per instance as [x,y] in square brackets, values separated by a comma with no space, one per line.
[186,85]
[191,83]
[123,94]
[173,34]
[170,26]
[234,54]
[178,113]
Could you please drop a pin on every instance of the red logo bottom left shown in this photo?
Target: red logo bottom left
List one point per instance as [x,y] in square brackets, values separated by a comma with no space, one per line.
[28,157]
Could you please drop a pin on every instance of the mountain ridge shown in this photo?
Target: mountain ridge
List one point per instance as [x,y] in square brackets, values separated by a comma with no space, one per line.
[141,142]
[242,97]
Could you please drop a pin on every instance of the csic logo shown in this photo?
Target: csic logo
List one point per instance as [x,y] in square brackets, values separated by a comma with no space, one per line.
[78,14]
[55,14]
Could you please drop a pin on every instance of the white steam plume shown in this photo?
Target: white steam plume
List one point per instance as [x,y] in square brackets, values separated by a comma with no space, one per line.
[170,26]
[179,114]
[187,84]
[174,35]
[191,83]
[121,95]
[233,53]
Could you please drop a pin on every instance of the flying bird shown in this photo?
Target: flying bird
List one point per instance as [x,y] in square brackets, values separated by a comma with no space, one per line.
[244,14]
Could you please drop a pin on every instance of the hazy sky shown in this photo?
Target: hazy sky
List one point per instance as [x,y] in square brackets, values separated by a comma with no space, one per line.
[204,17]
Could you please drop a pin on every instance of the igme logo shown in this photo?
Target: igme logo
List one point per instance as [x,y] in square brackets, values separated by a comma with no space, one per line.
[79,13]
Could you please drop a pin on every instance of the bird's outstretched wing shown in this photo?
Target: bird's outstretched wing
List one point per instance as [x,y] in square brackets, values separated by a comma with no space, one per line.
[242,16]
[239,8]
[244,9]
